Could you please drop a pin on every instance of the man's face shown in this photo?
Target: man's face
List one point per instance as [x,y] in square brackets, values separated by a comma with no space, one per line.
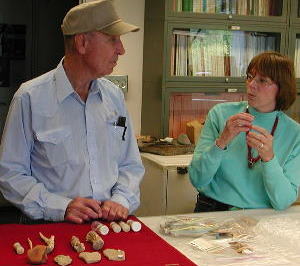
[102,52]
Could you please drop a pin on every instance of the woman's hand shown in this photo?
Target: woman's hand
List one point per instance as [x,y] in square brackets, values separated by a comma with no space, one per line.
[261,140]
[236,124]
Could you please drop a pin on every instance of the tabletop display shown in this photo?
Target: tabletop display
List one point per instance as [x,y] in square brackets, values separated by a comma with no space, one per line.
[98,243]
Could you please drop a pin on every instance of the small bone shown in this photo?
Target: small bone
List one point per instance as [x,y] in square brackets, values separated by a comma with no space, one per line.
[49,241]
[76,244]
[90,257]
[95,239]
[100,228]
[18,248]
[37,254]
[115,227]
[63,260]
[125,227]
[134,225]
[114,254]
[29,243]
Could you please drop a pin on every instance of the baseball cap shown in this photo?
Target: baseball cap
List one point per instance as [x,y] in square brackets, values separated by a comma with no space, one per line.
[97,15]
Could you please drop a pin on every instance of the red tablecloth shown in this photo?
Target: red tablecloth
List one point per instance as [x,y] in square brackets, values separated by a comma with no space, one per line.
[143,248]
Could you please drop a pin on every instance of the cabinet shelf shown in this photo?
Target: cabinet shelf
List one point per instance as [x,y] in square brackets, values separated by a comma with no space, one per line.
[201,50]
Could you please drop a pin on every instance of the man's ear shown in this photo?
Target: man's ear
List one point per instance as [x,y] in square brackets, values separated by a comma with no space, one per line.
[80,43]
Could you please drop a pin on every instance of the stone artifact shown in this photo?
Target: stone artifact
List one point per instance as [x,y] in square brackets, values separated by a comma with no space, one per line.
[90,257]
[63,260]
[37,254]
[114,254]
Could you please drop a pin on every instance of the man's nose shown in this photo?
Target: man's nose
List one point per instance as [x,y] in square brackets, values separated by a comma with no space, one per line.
[120,48]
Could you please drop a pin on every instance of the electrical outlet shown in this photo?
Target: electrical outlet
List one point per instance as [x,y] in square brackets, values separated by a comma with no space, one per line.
[119,80]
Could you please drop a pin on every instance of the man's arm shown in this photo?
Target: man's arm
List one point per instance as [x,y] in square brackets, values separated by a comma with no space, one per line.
[16,180]
[126,191]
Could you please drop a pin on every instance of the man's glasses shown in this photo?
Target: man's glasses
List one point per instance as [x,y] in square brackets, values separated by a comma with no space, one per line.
[260,81]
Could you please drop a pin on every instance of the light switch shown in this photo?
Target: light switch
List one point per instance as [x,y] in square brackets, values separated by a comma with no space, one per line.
[119,80]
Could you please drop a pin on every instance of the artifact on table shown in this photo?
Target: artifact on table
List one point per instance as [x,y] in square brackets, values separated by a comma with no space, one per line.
[99,228]
[95,239]
[90,257]
[134,225]
[76,244]
[125,227]
[18,248]
[114,254]
[49,241]
[241,247]
[37,254]
[193,130]
[183,139]
[115,227]
[63,260]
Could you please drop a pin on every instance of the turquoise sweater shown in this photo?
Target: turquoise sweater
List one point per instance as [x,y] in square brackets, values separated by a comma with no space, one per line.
[224,174]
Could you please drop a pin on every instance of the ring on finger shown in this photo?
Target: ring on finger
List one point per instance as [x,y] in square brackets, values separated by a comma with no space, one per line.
[261,145]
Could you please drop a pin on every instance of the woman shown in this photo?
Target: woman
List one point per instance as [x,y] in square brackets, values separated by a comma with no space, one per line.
[248,155]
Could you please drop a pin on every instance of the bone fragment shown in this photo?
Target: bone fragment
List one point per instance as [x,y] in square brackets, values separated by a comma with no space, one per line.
[115,227]
[125,227]
[76,244]
[134,225]
[18,248]
[49,241]
[100,228]
[95,239]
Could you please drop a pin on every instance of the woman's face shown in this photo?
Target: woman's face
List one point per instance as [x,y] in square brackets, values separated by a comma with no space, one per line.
[261,92]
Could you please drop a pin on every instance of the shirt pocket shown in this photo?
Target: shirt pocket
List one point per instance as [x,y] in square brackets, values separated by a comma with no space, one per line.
[56,146]
[115,135]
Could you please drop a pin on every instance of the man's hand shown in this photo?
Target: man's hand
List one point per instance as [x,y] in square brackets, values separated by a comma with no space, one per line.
[81,210]
[113,211]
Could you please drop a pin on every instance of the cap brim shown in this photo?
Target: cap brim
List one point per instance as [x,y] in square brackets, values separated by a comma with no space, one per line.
[120,28]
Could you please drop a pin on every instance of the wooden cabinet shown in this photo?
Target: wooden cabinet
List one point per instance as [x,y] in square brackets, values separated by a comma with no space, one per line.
[194,47]
[166,188]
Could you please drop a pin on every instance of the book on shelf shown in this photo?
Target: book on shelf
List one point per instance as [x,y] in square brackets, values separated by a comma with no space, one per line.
[205,52]
[187,5]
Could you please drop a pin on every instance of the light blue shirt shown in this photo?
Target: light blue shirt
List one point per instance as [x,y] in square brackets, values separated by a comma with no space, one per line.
[56,147]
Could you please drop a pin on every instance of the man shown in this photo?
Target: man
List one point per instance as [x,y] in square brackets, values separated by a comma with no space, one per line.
[68,150]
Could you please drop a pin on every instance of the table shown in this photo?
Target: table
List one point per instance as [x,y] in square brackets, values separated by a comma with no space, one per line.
[141,248]
[277,241]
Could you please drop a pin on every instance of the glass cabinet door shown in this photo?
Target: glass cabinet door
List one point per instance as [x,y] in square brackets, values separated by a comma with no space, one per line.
[185,108]
[297,56]
[237,7]
[294,111]
[217,53]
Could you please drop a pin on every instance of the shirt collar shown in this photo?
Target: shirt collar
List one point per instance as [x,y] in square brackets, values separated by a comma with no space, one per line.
[63,85]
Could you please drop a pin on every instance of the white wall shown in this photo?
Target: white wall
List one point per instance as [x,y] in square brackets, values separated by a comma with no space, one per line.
[131,64]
